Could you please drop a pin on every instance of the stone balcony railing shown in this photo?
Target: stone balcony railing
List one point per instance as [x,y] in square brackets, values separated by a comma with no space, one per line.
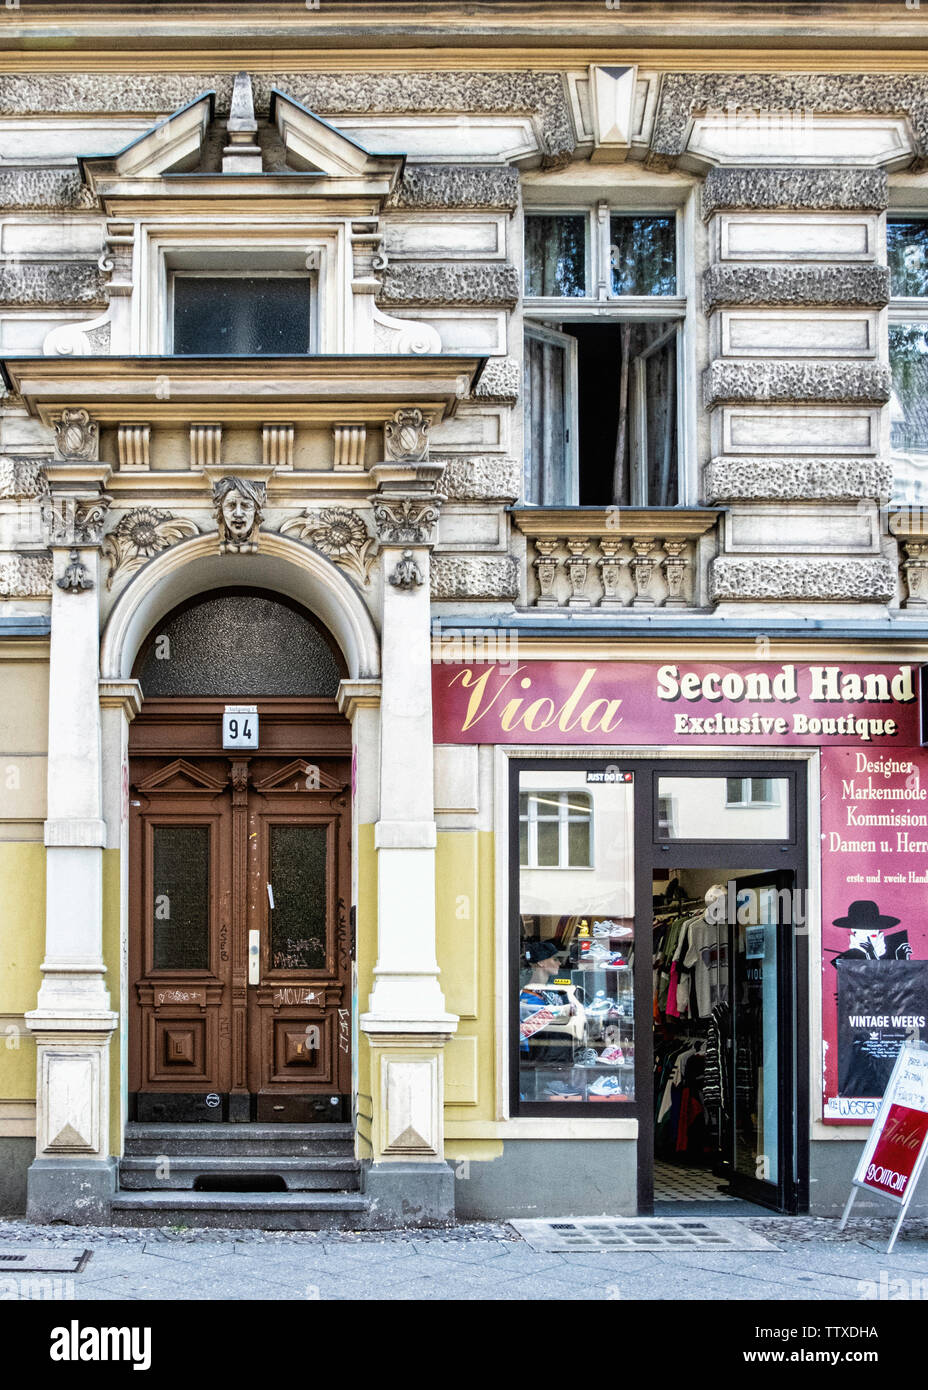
[616,557]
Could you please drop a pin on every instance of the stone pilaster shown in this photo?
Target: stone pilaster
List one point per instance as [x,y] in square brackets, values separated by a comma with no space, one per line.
[406,1022]
[72,1178]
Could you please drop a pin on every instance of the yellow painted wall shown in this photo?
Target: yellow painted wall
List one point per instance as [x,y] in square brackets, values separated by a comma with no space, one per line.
[22,947]
[366,952]
[465,910]
[111,893]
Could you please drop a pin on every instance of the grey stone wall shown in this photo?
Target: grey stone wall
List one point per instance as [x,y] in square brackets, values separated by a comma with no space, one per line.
[25,576]
[796,480]
[795,285]
[789,579]
[500,380]
[441,282]
[804,189]
[726,381]
[484,478]
[439,187]
[475,578]
[53,282]
[43,189]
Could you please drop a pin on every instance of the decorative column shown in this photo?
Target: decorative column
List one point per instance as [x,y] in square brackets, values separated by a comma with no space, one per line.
[407,1023]
[642,568]
[73,1175]
[675,563]
[545,565]
[610,569]
[578,567]
[915,569]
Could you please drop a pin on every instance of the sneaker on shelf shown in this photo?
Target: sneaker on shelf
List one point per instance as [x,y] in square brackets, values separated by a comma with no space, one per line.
[586,1057]
[600,1006]
[607,1088]
[597,952]
[604,928]
[614,960]
[611,1056]
[558,1090]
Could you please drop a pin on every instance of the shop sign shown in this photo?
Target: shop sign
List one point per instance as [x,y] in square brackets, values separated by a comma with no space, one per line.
[686,705]
[894,1153]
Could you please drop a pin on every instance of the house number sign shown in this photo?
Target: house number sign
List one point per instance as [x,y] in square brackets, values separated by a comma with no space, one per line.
[240,726]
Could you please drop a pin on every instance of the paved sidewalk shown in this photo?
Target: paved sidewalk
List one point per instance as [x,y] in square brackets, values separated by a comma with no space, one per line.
[813,1261]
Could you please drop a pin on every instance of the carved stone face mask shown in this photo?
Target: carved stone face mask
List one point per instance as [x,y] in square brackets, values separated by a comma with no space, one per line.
[238,513]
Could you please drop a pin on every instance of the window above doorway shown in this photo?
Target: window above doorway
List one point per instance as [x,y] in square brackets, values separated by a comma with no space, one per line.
[241,315]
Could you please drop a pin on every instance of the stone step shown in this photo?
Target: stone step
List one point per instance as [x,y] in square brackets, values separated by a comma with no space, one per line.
[298,1174]
[267,1211]
[246,1140]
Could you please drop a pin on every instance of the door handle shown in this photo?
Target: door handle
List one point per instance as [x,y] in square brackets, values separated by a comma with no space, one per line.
[254,956]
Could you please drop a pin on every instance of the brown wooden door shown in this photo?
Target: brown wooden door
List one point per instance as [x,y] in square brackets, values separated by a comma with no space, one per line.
[235,859]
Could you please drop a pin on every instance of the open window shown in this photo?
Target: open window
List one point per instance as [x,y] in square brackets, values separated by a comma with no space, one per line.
[602,360]
[907,253]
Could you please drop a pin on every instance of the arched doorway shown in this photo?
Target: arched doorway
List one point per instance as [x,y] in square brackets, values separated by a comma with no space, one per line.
[239,867]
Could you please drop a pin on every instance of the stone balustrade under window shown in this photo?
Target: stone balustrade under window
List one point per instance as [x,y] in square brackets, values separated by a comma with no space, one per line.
[610,558]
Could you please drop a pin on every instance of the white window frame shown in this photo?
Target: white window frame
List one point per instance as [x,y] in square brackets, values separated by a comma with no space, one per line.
[564,820]
[599,303]
[903,309]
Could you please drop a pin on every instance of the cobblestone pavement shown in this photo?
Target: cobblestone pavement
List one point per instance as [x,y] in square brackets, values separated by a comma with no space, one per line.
[813,1261]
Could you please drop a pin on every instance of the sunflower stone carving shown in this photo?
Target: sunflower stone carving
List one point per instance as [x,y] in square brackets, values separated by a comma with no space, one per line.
[139,535]
[340,534]
[238,504]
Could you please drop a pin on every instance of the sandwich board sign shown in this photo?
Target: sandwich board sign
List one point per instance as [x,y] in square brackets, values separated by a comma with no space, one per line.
[895,1151]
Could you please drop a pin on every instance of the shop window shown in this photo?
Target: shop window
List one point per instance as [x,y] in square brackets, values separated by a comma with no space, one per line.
[601,361]
[574,1017]
[723,808]
[907,252]
[555,830]
[241,315]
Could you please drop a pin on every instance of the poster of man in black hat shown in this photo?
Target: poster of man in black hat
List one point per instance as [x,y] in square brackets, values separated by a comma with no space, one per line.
[882,999]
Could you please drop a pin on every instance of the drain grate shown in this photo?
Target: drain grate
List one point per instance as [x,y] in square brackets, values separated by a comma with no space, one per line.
[44,1261]
[643,1233]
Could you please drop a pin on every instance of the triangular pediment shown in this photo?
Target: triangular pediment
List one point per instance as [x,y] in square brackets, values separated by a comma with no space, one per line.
[315,146]
[174,144]
[301,776]
[181,776]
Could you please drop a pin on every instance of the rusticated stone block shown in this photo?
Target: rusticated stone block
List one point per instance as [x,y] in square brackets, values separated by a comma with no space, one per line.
[801,579]
[22,478]
[440,282]
[796,480]
[806,189]
[52,282]
[25,576]
[775,380]
[499,381]
[486,478]
[39,189]
[795,285]
[474,578]
[435,187]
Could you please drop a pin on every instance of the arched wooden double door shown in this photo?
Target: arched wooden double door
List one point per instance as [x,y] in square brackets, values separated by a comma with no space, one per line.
[240,880]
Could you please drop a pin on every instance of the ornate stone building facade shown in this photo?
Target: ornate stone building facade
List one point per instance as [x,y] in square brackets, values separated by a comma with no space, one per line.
[337,375]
